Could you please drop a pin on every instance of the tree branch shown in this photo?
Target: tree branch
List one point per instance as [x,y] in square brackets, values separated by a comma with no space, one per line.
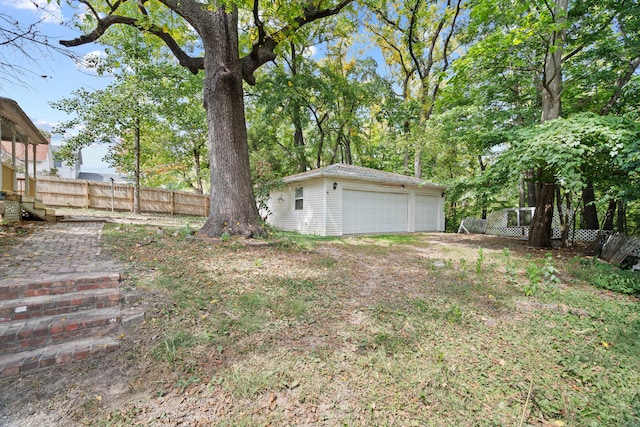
[394,47]
[620,84]
[414,58]
[261,53]
[445,53]
[434,40]
[258,22]
[445,58]
[263,50]
[193,64]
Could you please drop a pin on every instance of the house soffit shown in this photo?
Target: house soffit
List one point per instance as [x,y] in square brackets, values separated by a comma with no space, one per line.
[13,116]
[358,173]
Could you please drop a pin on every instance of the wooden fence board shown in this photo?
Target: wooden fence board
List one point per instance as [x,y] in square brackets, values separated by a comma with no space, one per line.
[58,192]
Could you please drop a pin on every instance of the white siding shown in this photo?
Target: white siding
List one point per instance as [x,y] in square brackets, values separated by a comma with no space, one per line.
[356,206]
[310,219]
[333,213]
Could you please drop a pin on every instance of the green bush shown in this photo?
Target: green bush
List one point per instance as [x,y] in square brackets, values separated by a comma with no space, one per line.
[622,282]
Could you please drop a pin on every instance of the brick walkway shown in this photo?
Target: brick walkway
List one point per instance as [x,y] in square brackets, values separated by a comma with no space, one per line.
[63,248]
[59,298]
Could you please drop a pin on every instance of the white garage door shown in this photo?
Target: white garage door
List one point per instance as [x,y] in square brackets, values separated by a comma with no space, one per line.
[374,212]
[427,213]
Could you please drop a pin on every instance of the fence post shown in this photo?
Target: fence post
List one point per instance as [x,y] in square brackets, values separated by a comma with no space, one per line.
[87,195]
[173,203]
[113,193]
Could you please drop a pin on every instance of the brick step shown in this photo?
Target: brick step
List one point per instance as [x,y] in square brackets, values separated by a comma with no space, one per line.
[58,285]
[21,335]
[23,362]
[51,305]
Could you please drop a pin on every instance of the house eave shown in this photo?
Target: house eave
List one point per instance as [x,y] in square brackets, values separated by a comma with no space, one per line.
[391,179]
[13,117]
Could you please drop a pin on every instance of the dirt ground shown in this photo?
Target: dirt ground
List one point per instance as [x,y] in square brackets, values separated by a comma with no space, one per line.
[130,380]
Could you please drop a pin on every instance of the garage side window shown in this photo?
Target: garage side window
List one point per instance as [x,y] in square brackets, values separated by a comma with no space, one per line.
[299,199]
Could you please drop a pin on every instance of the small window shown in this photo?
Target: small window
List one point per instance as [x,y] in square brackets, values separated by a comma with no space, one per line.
[298,199]
[512,219]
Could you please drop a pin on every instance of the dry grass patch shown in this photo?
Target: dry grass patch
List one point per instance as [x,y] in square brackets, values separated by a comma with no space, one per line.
[425,329]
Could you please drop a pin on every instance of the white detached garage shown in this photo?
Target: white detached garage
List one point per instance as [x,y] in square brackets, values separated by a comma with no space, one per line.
[345,199]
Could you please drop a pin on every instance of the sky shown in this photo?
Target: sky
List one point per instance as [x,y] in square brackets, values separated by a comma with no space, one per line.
[49,75]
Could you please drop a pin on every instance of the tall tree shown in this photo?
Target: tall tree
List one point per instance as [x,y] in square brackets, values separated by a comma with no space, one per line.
[540,230]
[327,104]
[417,39]
[122,112]
[233,207]
[548,59]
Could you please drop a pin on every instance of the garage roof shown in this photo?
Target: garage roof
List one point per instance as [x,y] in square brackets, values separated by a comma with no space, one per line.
[11,112]
[340,170]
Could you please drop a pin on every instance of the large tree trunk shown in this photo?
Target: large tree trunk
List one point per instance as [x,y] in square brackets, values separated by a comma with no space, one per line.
[590,212]
[233,208]
[551,110]
[198,170]
[417,163]
[136,173]
[621,223]
[608,218]
[563,216]
[540,231]
[529,177]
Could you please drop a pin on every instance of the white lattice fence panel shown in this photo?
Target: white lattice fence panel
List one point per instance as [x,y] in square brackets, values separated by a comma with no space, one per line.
[473,225]
[497,223]
[580,235]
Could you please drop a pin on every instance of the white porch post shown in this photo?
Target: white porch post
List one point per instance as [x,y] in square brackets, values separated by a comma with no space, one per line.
[26,167]
[35,174]
[1,171]
[14,187]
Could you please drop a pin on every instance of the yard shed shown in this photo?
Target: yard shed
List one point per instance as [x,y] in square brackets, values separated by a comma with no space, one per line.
[345,199]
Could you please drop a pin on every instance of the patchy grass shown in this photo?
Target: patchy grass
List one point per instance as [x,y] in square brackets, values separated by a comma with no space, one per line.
[424,329]
[10,233]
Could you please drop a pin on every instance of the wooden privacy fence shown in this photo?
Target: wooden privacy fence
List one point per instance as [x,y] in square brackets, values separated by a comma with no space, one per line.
[618,248]
[71,193]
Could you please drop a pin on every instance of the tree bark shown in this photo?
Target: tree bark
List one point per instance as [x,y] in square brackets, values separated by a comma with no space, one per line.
[198,170]
[621,223]
[608,219]
[531,192]
[563,216]
[298,135]
[540,231]
[136,173]
[590,212]
[417,163]
[231,211]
